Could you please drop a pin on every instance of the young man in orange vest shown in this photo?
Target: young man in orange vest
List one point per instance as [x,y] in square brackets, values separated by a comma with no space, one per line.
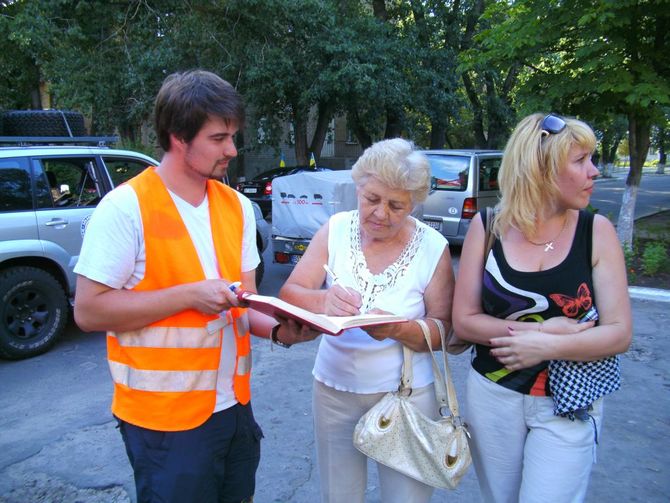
[155,270]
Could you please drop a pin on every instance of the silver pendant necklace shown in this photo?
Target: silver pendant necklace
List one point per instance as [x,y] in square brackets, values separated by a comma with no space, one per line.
[549,245]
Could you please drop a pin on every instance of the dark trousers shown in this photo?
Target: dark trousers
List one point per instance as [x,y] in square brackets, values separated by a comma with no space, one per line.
[213,463]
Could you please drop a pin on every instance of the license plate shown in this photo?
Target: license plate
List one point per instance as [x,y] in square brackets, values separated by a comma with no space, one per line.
[434,224]
[250,190]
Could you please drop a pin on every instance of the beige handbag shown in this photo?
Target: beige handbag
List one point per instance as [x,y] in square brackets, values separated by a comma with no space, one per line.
[397,434]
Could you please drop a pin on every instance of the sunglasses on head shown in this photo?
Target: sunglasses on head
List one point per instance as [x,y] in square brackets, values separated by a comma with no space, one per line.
[552,124]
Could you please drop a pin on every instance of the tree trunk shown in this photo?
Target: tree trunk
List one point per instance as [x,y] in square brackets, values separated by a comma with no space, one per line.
[638,141]
[360,132]
[379,9]
[610,144]
[478,113]
[325,111]
[660,168]
[393,123]
[438,134]
[300,134]
[35,100]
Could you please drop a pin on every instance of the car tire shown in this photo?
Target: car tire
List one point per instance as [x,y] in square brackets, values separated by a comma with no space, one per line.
[43,123]
[33,312]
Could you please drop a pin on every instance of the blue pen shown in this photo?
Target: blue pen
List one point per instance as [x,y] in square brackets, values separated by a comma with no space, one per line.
[234,286]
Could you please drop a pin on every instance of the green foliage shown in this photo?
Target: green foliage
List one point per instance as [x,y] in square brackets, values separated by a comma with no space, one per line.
[613,59]
[435,70]
[139,146]
[655,258]
[630,257]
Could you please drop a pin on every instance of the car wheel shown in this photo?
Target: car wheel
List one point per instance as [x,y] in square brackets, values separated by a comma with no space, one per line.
[33,312]
[43,123]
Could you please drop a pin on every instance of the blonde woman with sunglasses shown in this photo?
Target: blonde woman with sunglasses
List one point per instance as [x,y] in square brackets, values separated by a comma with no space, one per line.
[548,311]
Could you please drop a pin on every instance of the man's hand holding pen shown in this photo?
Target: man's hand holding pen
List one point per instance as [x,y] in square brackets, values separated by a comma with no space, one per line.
[341,300]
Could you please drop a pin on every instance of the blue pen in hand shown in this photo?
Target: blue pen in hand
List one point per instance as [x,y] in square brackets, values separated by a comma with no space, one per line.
[234,286]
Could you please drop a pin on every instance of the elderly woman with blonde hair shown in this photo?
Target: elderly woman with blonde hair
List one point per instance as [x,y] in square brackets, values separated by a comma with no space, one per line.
[385,260]
[548,311]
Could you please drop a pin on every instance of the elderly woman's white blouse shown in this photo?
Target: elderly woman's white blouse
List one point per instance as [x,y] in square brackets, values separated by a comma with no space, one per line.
[354,361]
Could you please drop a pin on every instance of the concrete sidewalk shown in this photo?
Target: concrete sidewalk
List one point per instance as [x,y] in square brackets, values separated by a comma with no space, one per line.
[633,458]
[88,463]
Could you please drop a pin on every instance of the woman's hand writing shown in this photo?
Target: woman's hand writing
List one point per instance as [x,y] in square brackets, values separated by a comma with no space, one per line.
[342,301]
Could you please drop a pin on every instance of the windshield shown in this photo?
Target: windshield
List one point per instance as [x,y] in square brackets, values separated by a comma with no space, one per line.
[449,172]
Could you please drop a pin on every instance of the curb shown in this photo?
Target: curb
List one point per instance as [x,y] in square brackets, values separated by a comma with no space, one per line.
[644,293]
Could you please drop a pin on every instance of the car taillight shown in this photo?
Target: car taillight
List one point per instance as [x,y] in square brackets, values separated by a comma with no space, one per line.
[469,207]
[268,189]
[282,258]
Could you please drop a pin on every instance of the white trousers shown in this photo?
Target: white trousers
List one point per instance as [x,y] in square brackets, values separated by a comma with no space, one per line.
[342,468]
[521,451]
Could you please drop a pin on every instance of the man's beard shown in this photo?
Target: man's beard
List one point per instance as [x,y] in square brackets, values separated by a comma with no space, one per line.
[220,169]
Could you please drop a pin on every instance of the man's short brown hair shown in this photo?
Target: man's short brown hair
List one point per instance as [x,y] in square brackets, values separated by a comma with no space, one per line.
[187,100]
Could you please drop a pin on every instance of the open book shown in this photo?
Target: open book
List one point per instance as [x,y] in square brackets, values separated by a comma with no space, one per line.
[332,325]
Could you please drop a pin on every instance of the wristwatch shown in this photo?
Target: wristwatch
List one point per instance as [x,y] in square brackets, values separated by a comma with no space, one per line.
[273,337]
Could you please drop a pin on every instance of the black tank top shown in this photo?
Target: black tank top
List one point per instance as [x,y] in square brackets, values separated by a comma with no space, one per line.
[563,290]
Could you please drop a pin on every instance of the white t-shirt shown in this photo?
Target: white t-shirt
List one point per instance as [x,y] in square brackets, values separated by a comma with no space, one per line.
[113,254]
[354,361]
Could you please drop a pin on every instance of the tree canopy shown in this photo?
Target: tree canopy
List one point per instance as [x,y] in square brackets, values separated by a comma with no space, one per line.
[593,59]
[458,73]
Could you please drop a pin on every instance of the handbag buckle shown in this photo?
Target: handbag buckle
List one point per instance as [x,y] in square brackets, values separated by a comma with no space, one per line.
[458,422]
[404,390]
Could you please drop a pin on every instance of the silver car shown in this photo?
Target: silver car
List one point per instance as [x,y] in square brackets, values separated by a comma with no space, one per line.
[47,195]
[463,182]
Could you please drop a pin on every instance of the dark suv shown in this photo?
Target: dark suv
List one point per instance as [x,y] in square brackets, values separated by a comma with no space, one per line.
[47,195]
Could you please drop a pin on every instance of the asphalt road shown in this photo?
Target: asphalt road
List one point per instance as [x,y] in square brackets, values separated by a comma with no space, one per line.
[653,194]
[58,441]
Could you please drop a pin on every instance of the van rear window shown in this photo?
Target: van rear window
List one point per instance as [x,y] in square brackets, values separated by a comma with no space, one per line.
[449,172]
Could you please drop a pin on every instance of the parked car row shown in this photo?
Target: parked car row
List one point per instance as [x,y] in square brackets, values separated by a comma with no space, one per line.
[462,183]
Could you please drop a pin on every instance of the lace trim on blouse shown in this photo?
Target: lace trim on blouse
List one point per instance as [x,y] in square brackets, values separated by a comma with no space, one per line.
[371,285]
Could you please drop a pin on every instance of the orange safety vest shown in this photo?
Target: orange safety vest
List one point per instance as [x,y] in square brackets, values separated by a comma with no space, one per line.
[165,374]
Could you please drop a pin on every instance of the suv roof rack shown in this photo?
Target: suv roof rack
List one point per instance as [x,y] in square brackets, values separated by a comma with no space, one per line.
[24,141]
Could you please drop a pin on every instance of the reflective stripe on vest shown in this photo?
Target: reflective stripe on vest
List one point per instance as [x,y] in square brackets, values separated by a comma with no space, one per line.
[162,380]
[165,374]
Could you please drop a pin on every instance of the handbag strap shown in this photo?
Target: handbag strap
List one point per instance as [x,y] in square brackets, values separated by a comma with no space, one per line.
[445,392]
[489,236]
[406,374]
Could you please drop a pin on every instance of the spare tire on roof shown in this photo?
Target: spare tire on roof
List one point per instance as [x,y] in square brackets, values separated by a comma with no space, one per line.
[43,123]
